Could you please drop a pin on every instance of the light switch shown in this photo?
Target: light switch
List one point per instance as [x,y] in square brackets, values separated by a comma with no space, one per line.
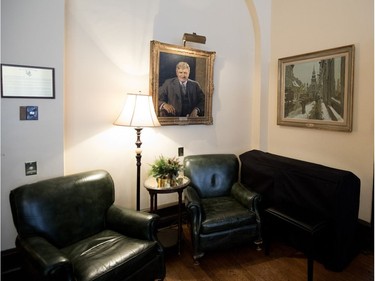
[28,112]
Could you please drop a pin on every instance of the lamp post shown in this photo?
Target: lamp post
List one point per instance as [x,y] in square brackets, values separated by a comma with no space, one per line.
[138,112]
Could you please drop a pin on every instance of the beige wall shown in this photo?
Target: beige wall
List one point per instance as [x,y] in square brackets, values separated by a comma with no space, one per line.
[106,59]
[300,27]
[107,56]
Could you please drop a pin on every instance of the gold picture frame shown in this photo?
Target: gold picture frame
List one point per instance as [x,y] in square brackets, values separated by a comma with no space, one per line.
[315,90]
[163,60]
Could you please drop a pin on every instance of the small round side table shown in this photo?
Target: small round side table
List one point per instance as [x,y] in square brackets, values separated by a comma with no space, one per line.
[153,189]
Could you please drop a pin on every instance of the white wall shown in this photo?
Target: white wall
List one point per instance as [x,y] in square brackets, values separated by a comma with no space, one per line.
[32,33]
[300,27]
[107,56]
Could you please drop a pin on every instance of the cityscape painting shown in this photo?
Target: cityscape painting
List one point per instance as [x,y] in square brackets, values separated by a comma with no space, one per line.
[315,90]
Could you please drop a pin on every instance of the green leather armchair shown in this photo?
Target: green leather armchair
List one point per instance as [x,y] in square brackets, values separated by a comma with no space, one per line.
[69,229]
[221,211]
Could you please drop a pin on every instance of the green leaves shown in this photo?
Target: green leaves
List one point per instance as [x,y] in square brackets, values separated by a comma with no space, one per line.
[165,167]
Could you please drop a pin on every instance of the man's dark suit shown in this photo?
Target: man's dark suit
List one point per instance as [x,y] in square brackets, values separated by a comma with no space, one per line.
[170,92]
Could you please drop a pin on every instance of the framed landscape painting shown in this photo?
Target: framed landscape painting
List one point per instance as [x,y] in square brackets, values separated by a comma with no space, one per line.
[315,90]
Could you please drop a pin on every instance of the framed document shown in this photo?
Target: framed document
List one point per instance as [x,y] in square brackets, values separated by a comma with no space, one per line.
[20,81]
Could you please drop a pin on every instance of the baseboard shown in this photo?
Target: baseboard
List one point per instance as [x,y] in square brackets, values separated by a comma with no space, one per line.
[10,265]
[366,235]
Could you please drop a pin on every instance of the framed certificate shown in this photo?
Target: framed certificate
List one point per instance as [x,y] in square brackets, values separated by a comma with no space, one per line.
[20,81]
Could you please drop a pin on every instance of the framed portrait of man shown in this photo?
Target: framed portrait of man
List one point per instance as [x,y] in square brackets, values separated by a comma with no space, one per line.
[181,82]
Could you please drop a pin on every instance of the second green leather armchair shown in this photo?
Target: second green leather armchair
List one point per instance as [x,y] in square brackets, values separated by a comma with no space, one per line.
[222,212]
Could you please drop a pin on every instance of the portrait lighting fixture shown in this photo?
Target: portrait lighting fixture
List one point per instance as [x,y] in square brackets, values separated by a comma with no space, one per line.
[138,112]
[187,37]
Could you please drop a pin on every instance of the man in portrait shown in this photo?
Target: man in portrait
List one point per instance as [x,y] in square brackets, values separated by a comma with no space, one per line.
[181,96]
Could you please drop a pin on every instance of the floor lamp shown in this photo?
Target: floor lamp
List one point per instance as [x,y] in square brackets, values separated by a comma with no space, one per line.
[138,112]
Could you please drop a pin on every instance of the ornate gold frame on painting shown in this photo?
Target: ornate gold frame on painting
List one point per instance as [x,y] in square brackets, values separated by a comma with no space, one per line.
[163,60]
[315,90]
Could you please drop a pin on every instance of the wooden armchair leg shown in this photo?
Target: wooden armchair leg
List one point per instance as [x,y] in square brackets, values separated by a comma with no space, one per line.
[196,258]
[310,268]
[258,243]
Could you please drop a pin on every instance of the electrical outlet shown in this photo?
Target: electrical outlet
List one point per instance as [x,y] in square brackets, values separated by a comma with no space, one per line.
[180,151]
[31,168]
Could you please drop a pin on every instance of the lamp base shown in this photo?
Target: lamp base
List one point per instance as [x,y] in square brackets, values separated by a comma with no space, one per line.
[138,156]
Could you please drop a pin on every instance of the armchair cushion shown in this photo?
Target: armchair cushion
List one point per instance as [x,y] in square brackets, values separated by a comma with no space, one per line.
[223,213]
[109,255]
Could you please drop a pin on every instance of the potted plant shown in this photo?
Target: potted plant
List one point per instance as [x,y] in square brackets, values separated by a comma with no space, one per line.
[165,170]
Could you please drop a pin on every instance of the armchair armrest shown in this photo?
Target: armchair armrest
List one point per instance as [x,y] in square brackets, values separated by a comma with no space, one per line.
[48,261]
[193,205]
[249,199]
[245,196]
[132,223]
[192,197]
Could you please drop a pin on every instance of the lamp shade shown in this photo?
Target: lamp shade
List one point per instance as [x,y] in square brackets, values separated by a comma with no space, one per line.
[138,111]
